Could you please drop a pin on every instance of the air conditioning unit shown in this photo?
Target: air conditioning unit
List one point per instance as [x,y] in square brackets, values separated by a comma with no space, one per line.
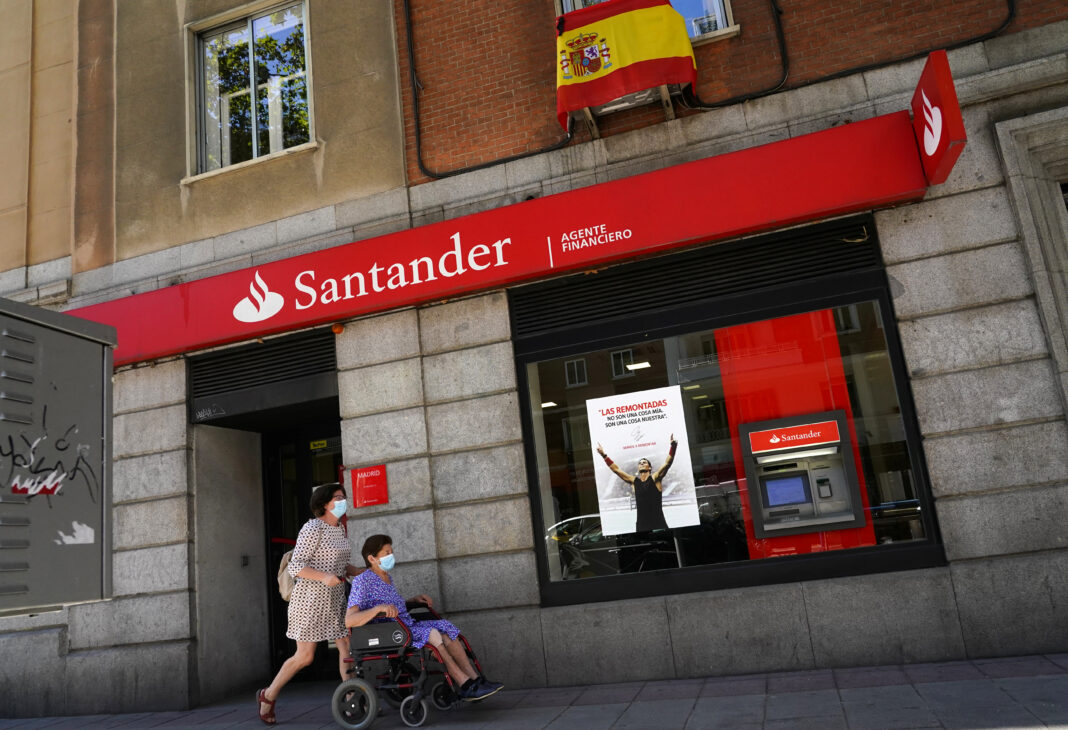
[638,98]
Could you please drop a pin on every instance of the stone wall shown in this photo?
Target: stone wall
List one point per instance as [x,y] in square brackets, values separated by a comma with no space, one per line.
[988,396]
[431,393]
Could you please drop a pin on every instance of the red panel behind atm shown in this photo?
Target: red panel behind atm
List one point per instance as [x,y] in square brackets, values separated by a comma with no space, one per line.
[779,368]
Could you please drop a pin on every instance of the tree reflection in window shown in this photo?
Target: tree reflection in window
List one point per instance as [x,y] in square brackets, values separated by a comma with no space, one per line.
[281,91]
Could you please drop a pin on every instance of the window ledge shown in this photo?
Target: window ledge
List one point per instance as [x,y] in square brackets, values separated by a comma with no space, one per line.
[298,150]
[730,31]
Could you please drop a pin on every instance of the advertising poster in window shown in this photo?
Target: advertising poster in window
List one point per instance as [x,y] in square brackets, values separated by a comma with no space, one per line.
[641,461]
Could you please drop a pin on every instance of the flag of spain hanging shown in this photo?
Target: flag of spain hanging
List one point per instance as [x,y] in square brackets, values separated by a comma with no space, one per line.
[608,50]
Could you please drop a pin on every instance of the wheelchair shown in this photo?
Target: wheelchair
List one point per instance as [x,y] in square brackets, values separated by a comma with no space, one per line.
[387,668]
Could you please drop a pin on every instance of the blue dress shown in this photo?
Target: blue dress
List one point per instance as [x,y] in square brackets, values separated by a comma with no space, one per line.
[368,590]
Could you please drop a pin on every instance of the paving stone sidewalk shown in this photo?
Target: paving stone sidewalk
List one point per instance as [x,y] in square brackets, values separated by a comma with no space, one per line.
[1017,692]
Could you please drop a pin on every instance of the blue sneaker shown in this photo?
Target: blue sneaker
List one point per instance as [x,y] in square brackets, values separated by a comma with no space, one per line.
[491,686]
[473,691]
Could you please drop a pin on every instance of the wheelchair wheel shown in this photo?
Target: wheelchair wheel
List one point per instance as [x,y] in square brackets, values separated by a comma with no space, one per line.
[442,696]
[355,704]
[406,674]
[413,713]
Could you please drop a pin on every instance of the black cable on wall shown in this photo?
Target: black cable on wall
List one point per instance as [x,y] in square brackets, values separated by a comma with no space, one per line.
[415,86]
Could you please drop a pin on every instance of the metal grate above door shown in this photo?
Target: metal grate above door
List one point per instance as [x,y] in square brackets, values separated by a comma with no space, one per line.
[708,273]
[280,372]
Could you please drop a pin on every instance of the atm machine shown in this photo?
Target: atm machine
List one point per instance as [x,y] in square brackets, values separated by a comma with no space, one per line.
[802,475]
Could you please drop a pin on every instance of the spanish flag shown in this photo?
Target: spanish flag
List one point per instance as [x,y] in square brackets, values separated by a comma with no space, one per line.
[608,50]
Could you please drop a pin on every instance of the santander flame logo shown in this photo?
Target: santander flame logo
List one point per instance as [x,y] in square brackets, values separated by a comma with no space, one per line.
[932,127]
[262,304]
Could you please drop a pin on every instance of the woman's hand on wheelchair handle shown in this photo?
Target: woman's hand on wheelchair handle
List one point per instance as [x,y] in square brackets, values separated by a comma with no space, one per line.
[387,609]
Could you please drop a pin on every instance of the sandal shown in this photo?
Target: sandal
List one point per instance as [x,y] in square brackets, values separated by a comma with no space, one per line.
[261,700]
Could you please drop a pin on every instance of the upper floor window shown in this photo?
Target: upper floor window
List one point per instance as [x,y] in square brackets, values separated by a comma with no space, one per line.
[253,80]
[622,360]
[702,16]
[575,372]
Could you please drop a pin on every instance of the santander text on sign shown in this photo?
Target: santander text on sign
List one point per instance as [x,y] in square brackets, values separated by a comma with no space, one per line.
[809,434]
[398,275]
[849,168]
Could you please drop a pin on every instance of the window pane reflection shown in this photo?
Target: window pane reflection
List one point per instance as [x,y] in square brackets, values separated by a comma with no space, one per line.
[278,56]
[227,108]
[726,377]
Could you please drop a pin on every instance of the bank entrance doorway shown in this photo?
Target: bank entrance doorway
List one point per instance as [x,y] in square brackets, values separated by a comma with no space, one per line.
[283,393]
[295,461]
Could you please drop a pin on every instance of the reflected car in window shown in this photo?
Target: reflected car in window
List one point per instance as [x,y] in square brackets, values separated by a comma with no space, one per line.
[585,551]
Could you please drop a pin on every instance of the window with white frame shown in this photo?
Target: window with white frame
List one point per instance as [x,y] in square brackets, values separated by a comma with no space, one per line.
[703,17]
[620,360]
[575,372]
[253,87]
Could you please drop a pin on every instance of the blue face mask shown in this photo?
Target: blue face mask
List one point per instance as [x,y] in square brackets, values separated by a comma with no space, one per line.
[386,563]
[340,507]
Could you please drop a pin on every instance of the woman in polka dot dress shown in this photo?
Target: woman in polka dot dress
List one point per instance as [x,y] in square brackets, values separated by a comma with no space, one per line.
[320,563]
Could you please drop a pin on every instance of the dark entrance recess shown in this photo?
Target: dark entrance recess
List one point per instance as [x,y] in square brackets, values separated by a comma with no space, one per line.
[295,460]
[285,390]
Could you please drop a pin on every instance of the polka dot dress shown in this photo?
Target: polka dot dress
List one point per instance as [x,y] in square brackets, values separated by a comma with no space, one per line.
[317,612]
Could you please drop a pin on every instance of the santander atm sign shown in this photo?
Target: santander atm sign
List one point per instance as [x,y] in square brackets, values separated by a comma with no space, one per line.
[853,167]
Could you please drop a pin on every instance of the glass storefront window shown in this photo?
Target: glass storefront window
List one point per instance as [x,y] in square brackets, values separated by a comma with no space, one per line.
[726,495]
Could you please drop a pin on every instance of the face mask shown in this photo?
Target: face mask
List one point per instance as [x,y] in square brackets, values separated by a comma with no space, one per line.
[339,508]
[387,562]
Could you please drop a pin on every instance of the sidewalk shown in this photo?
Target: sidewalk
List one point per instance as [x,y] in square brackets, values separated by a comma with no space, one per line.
[1018,692]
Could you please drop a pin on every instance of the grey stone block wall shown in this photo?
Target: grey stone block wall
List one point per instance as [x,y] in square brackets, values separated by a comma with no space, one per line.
[757,629]
[146,677]
[509,644]
[34,659]
[988,396]
[436,402]
[141,619]
[1022,520]
[1012,605]
[891,618]
[621,641]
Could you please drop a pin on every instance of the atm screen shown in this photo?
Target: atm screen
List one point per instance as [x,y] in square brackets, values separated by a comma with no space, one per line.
[787,489]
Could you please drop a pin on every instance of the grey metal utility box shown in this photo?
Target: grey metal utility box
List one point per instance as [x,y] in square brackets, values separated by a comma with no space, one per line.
[55,458]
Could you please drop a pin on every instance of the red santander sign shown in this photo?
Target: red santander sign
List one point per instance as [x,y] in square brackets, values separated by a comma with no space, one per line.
[937,120]
[845,169]
[823,433]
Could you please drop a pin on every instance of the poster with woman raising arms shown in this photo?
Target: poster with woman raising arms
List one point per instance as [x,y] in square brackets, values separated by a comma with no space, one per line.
[641,461]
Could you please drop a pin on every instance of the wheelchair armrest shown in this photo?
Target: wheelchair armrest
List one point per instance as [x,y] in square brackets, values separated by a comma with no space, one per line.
[421,612]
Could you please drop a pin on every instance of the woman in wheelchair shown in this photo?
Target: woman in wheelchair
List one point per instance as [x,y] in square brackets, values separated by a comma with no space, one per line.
[373,593]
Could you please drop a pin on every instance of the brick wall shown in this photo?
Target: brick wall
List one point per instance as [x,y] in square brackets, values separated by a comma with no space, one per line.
[488,79]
